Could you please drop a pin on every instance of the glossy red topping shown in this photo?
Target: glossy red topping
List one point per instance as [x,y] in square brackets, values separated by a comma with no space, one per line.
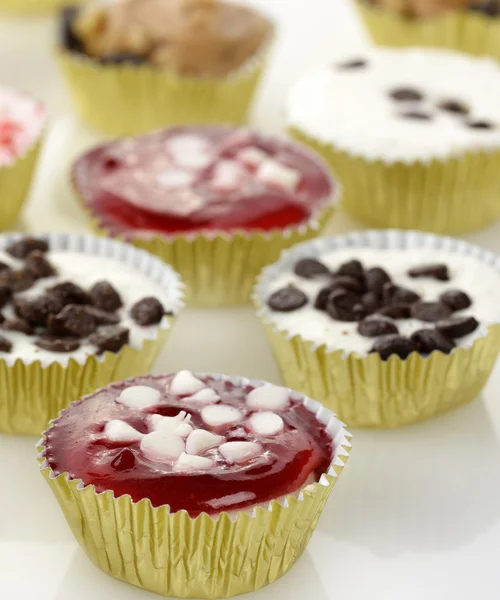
[191,179]
[284,449]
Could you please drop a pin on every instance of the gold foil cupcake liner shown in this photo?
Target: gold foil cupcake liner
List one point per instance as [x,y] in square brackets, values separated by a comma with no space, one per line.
[365,391]
[452,195]
[29,7]
[33,393]
[176,555]
[466,31]
[126,99]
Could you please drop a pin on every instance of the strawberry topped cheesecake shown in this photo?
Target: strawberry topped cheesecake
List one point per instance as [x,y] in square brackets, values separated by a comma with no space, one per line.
[202,454]
[205,185]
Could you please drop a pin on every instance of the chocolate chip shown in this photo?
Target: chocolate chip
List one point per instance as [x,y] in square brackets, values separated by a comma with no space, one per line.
[352,268]
[455,299]
[17,325]
[124,460]
[428,340]
[346,282]
[72,321]
[404,94]
[25,246]
[399,295]
[371,301]
[38,265]
[376,325]
[481,125]
[359,311]
[17,281]
[69,293]
[287,299]
[376,278]
[437,271]
[54,344]
[357,63]
[68,38]
[150,311]
[5,294]
[110,339]
[4,266]
[430,311]
[395,311]
[102,317]
[453,106]
[387,345]
[457,327]
[104,296]
[122,58]
[36,311]
[322,297]
[416,115]
[5,344]
[340,305]
[309,268]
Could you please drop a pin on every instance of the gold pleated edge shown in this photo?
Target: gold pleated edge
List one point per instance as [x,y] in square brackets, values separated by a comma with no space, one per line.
[35,7]
[341,447]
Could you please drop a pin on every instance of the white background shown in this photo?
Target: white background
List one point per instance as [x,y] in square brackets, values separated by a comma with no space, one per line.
[416,514]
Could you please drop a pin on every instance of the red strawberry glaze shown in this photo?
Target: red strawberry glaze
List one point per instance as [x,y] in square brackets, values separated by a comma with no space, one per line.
[76,445]
[121,183]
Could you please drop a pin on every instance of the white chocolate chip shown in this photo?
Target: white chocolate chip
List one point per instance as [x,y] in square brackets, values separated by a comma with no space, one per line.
[273,172]
[266,423]
[160,446]
[227,175]
[268,397]
[119,431]
[206,396]
[240,452]
[252,156]
[200,440]
[175,178]
[186,384]
[190,151]
[139,396]
[178,425]
[187,462]
[220,414]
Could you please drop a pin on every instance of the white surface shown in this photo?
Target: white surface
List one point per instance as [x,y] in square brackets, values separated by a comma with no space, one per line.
[415,516]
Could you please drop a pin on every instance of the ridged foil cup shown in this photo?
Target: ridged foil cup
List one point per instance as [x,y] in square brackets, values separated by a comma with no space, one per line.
[34,7]
[32,393]
[366,391]
[462,30]
[126,99]
[176,555]
[452,195]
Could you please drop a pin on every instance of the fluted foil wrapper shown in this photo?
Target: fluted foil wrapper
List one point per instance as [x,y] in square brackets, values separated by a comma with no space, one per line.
[173,554]
[35,7]
[365,391]
[448,196]
[462,30]
[33,393]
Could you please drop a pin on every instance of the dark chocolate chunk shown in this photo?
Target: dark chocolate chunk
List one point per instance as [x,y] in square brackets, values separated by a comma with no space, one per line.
[25,246]
[455,299]
[54,344]
[356,63]
[437,271]
[431,312]
[416,115]
[17,325]
[453,106]
[104,296]
[4,266]
[150,311]
[396,311]
[428,340]
[309,268]
[376,325]
[405,94]
[69,293]
[352,268]
[322,297]
[387,345]
[17,281]
[371,301]
[359,311]
[375,279]
[121,59]
[69,39]
[394,294]
[38,265]
[124,460]
[5,294]
[346,282]
[5,344]
[36,311]
[457,327]
[340,305]
[102,317]
[110,339]
[73,321]
[484,125]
